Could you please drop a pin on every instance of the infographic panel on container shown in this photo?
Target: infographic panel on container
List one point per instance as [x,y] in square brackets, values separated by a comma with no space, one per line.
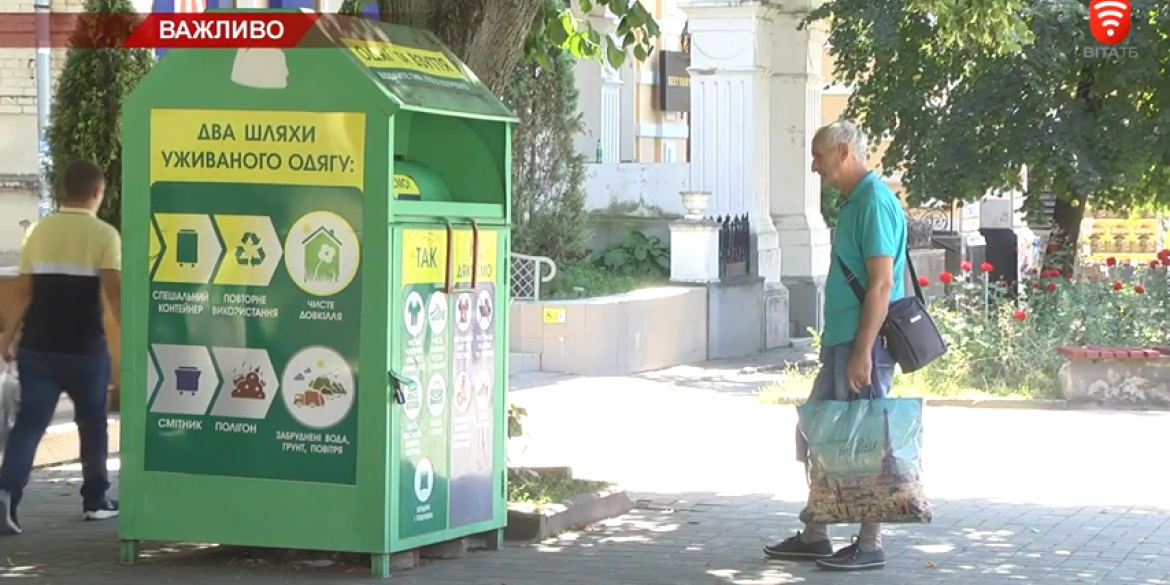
[423,419]
[255,294]
[448,351]
[473,370]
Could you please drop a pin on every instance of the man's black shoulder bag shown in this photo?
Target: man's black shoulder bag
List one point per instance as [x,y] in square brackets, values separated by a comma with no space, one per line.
[908,332]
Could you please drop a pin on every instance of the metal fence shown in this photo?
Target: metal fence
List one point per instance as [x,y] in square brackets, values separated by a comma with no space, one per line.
[735,241]
[528,273]
[923,223]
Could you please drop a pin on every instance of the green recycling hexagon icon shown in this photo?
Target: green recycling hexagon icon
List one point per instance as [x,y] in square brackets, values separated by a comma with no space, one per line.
[254,250]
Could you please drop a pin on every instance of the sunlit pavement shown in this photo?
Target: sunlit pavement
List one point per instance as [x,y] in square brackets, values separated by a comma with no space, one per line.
[1021,497]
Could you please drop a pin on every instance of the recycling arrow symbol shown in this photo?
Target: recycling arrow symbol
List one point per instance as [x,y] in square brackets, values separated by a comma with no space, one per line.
[247,242]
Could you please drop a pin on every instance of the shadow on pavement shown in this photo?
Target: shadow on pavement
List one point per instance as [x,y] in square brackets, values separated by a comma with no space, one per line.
[685,538]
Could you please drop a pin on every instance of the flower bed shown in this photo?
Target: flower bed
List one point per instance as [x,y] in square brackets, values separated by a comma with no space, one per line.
[1010,346]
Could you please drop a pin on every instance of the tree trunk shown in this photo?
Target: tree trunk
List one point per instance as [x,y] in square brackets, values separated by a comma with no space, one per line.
[488,35]
[1062,245]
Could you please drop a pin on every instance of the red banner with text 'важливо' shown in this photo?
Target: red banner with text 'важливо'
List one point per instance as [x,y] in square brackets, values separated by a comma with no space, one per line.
[155,30]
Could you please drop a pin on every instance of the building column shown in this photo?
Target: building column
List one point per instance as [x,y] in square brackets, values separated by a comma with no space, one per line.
[611,115]
[795,191]
[729,149]
[594,81]
[731,154]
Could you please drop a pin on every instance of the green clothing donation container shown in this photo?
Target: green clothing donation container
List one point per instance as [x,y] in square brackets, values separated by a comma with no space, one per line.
[319,334]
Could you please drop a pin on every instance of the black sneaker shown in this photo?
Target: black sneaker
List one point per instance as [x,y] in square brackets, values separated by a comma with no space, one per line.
[8,524]
[852,558]
[106,510]
[793,548]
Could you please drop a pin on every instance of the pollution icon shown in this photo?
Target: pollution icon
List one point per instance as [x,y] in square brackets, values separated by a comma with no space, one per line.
[318,387]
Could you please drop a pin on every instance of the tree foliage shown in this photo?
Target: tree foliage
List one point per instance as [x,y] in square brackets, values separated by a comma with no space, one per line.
[491,36]
[85,122]
[1087,121]
[548,201]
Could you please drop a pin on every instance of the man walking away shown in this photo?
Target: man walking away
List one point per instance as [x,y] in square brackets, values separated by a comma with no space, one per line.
[68,260]
[870,239]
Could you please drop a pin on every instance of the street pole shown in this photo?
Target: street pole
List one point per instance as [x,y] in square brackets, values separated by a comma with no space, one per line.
[44,98]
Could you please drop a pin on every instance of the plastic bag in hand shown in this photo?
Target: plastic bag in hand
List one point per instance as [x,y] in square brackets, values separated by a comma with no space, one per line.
[9,398]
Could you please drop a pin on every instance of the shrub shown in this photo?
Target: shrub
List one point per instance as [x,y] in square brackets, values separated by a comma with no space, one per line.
[85,122]
[548,199]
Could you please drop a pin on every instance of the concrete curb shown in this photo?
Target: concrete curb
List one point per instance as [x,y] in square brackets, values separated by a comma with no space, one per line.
[526,524]
[61,445]
[1010,403]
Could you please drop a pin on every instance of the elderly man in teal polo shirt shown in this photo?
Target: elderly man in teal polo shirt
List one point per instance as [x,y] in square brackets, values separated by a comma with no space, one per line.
[870,239]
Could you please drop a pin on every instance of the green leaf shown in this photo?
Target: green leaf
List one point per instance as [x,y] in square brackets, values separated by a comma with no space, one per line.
[559,35]
[614,54]
[640,254]
[586,6]
[640,52]
[616,257]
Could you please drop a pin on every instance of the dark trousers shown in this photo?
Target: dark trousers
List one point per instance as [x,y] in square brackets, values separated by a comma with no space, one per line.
[43,377]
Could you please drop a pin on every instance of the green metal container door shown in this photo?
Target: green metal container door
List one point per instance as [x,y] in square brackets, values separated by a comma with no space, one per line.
[448,425]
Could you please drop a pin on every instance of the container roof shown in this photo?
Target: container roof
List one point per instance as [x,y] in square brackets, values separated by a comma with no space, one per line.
[417,69]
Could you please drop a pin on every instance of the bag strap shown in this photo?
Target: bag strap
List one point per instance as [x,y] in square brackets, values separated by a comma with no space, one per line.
[860,292]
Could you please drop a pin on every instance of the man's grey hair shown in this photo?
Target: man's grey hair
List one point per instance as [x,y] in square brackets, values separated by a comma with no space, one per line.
[843,132]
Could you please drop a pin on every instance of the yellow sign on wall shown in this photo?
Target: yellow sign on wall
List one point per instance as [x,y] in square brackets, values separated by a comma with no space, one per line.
[258,147]
[553,315]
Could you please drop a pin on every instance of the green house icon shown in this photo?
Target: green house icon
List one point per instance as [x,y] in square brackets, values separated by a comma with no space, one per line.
[322,256]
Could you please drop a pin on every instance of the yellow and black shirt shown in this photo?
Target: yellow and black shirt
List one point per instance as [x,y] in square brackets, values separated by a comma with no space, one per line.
[64,253]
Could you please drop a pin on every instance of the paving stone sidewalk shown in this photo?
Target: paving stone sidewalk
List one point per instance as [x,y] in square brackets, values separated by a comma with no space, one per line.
[695,538]
[1020,496]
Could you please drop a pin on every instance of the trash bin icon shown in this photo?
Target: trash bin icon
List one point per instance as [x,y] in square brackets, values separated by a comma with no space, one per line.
[187,379]
[187,247]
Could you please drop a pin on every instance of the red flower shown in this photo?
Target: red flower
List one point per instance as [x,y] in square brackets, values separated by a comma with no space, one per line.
[945,277]
[985,267]
[1051,286]
[1166,260]
[1036,284]
[1139,289]
[1153,264]
[923,281]
[1111,261]
[1020,315]
[1164,253]
[1117,285]
[1035,271]
[965,265]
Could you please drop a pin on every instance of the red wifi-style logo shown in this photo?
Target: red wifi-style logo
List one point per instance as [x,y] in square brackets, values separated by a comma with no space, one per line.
[1109,20]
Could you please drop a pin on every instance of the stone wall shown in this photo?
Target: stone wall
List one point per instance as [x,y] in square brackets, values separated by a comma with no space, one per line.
[1116,376]
[640,331]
